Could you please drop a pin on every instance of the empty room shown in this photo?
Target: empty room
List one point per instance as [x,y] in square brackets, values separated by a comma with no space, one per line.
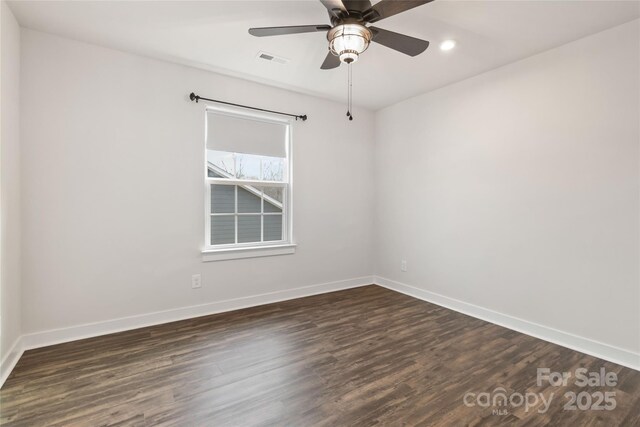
[320,213]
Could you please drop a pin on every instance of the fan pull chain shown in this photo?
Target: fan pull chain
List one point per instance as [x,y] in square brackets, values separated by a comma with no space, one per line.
[349,91]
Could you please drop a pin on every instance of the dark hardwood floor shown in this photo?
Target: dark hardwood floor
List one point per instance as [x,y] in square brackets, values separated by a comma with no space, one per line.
[360,357]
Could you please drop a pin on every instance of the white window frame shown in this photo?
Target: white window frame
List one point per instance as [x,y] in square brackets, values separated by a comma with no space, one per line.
[253,249]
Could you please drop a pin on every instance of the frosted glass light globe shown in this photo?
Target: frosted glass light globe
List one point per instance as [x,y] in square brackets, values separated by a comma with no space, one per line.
[348,41]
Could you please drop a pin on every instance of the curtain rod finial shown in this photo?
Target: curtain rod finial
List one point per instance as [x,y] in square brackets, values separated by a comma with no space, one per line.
[193,97]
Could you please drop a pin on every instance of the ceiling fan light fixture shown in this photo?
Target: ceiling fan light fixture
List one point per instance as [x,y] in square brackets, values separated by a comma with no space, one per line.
[348,41]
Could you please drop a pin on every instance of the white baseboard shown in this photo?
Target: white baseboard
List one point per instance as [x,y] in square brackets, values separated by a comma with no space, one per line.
[584,345]
[10,360]
[89,330]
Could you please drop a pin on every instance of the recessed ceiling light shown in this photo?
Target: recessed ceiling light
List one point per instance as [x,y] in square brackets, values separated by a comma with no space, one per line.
[447,45]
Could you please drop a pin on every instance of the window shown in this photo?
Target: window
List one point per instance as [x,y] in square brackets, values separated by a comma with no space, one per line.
[248,186]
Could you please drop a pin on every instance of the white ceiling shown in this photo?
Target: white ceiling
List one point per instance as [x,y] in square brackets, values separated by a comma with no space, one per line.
[213,35]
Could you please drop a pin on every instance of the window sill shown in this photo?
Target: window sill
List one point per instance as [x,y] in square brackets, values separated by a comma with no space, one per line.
[250,252]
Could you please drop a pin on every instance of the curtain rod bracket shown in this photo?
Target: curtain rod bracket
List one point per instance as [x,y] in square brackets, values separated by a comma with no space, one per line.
[197,98]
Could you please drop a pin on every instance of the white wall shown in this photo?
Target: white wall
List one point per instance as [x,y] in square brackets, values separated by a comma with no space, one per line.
[518,190]
[10,304]
[112,185]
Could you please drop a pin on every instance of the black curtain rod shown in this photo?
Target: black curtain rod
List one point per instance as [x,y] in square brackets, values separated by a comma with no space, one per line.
[197,98]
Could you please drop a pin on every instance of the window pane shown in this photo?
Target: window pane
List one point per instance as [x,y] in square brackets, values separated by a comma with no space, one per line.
[224,164]
[220,164]
[273,198]
[273,168]
[272,227]
[248,228]
[249,199]
[223,229]
[247,166]
[223,198]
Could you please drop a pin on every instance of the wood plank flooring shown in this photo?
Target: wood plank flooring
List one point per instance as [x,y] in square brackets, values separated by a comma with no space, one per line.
[360,357]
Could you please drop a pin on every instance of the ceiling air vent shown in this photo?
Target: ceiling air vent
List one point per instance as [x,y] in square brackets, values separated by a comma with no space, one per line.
[272,58]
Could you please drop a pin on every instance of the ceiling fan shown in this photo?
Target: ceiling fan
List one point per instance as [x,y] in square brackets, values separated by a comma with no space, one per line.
[349,35]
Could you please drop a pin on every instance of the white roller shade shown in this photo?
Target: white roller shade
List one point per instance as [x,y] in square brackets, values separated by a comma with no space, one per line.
[239,135]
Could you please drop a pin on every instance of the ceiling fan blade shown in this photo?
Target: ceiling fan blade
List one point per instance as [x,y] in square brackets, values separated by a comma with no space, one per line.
[408,45]
[280,31]
[331,61]
[387,8]
[359,5]
[335,7]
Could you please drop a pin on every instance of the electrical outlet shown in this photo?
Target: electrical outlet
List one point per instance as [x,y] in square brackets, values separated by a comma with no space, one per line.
[196,281]
[403,265]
